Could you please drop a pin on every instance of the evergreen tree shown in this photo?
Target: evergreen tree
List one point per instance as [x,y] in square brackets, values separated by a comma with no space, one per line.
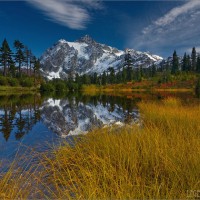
[153,70]
[175,64]
[104,78]
[19,56]
[198,64]
[119,77]
[5,56]
[188,65]
[95,79]
[194,59]
[184,63]
[138,74]
[197,88]
[124,75]
[77,78]
[36,68]
[86,79]
[31,60]
[111,75]
[12,68]
[27,58]
[128,65]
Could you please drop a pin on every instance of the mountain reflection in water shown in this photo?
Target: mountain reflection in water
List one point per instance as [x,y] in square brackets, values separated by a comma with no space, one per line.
[66,117]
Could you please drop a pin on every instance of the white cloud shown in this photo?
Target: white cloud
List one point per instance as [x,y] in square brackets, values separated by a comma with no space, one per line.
[72,14]
[179,28]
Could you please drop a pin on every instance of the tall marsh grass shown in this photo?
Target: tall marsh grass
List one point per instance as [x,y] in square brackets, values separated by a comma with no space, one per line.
[161,159]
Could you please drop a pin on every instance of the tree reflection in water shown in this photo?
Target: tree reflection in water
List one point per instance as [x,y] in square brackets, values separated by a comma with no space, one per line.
[18,114]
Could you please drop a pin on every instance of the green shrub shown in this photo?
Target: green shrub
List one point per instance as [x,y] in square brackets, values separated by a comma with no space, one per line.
[13,82]
[47,87]
[26,82]
[3,80]
[60,86]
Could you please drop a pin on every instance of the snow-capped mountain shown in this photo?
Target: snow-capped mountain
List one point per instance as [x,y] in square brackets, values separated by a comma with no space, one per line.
[66,117]
[86,56]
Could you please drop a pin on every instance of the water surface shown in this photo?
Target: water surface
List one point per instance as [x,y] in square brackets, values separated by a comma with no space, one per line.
[36,123]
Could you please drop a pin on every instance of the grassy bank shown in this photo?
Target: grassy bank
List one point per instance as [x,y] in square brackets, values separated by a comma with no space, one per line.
[160,158]
[6,90]
[129,87]
[179,83]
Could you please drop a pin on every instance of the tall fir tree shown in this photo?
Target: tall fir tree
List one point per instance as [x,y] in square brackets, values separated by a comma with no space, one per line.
[104,78]
[95,78]
[188,65]
[198,64]
[19,56]
[194,59]
[184,63]
[111,75]
[153,70]
[27,58]
[5,56]
[175,64]
[128,64]
[124,74]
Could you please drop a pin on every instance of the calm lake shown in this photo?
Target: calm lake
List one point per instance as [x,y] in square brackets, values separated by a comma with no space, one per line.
[36,123]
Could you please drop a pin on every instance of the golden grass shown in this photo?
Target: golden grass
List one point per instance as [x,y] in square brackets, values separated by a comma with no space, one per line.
[159,158]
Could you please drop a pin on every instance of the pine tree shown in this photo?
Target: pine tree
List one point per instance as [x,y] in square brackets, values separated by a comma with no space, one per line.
[184,63]
[128,65]
[12,68]
[175,64]
[153,70]
[19,56]
[111,75]
[77,78]
[138,74]
[27,58]
[5,56]
[119,77]
[194,59]
[36,68]
[124,75]
[188,65]
[197,88]
[95,79]
[198,64]
[104,78]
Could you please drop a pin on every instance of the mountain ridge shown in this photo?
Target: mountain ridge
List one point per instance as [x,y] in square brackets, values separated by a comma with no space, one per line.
[86,56]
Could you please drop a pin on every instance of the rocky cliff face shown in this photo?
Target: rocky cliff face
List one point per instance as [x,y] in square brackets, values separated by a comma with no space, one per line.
[86,56]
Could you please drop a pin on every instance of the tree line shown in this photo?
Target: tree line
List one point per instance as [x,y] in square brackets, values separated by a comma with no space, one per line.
[12,62]
[176,66]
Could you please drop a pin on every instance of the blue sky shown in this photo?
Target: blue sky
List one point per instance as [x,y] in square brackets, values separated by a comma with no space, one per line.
[155,26]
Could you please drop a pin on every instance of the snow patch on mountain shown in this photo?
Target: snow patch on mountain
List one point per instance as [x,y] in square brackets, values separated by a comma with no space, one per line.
[80,47]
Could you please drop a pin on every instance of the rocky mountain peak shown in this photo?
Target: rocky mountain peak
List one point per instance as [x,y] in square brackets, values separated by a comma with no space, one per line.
[86,56]
[87,39]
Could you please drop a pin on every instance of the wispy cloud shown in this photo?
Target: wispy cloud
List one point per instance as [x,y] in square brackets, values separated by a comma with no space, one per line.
[178,28]
[72,14]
